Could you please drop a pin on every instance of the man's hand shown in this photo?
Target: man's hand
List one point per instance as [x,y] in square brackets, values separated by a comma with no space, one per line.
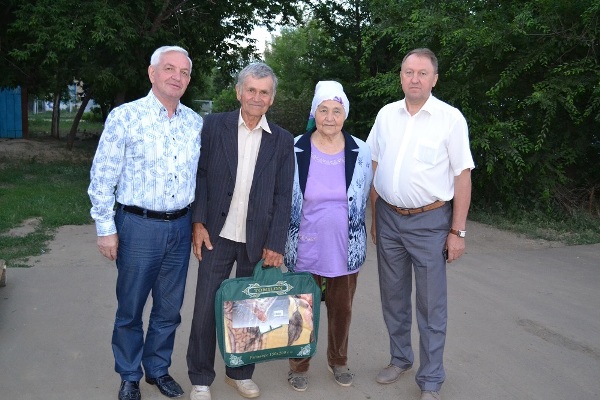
[108,246]
[455,246]
[373,196]
[460,208]
[200,237]
[373,230]
[272,258]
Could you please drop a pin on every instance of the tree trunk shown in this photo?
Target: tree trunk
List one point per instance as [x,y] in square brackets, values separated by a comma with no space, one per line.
[24,113]
[104,109]
[73,131]
[54,132]
[119,99]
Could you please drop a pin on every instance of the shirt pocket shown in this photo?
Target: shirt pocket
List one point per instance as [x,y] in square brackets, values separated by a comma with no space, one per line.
[427,152]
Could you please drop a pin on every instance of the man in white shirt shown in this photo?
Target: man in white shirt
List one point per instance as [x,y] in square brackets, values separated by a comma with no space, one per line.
[241,213]
[149,151]
[420,199]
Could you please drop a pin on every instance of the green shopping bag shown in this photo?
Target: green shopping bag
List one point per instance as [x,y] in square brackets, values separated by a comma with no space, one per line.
[268,316]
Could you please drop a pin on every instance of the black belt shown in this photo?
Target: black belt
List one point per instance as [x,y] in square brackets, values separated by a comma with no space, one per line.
[164,215]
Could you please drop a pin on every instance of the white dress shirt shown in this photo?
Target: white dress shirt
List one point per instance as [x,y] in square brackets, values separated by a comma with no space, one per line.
[418,156]
[248,147]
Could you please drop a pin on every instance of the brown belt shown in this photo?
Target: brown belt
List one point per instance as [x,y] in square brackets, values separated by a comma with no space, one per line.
[418,210]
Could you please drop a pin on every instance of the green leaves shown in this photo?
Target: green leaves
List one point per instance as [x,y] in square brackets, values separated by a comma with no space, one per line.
[526,75]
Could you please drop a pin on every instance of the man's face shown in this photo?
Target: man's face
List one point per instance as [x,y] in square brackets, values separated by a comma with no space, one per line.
[417,78]
[171,77]
[255,96]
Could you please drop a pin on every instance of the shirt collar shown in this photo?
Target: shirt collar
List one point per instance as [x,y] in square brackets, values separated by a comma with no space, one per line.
[429,106]
[261,124]
[158,107]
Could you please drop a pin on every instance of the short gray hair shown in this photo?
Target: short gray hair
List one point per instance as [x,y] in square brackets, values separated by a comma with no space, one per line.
[156,56]
[257,70]
[424,52]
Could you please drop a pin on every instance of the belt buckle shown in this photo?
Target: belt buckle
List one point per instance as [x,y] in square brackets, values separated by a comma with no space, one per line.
[403,211]
[169,216]
[173,215]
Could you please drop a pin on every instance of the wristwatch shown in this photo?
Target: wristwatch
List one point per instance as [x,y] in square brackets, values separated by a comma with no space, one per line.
[458,233]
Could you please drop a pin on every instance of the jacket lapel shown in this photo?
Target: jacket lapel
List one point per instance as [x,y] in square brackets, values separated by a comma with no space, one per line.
[350,155]
[266,151]
[230,141]
[303,159]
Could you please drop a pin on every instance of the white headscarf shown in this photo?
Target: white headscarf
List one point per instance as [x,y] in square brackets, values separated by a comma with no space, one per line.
[329,90]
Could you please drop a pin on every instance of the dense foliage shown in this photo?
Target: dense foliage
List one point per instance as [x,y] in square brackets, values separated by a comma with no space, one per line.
[46,44]
[526,74]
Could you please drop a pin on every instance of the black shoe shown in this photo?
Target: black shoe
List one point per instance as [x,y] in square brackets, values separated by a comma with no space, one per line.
[166,385]
[130,390]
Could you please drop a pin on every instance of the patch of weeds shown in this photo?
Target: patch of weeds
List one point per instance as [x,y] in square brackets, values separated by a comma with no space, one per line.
[56,193]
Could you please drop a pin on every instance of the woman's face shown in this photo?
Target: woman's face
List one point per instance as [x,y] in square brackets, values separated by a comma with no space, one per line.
[329,117]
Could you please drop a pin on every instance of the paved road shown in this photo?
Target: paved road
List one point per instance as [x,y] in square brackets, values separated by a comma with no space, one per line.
[524,324]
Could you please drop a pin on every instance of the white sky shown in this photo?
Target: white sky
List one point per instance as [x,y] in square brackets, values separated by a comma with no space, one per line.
[261,35]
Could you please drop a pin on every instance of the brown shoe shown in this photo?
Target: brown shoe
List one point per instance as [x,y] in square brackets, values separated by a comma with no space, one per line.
[390,374]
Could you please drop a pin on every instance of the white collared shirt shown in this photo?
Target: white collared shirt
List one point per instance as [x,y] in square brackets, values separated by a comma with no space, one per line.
[248,147]
[418,156]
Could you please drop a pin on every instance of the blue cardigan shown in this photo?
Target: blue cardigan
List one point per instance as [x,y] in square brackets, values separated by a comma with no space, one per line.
[359,175]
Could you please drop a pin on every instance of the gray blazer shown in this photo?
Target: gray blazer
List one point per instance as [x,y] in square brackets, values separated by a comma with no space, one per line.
[270,198]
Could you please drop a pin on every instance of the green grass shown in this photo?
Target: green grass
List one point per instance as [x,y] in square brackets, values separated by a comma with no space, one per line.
[56,193]
[574,229]
[40,124]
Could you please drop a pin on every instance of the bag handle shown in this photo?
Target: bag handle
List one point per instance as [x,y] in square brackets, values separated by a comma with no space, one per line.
[268,273]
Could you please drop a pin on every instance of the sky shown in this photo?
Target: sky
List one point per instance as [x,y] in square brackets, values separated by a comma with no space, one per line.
[261,35]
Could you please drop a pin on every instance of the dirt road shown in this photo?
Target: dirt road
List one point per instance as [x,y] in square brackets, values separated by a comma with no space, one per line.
[524,324]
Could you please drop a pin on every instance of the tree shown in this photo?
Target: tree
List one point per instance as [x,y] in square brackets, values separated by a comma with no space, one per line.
[107,43]
[328,47]
[525,74]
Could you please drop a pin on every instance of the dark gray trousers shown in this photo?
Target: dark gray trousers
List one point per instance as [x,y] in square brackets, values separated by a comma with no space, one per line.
[215,267]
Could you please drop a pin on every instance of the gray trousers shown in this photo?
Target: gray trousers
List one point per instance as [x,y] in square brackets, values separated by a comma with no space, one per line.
[405,243]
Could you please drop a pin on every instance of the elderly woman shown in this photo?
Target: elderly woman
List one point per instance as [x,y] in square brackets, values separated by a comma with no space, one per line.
[327,235]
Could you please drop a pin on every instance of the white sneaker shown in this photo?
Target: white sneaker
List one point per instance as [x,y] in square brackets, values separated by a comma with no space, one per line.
[200,393]
[245,387]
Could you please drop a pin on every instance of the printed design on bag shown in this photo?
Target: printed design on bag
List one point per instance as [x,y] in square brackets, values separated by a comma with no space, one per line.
[256,290]
[304,351]
[235,360]
[268,323]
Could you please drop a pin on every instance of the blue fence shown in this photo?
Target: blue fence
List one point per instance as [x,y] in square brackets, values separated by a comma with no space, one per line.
[11,125]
